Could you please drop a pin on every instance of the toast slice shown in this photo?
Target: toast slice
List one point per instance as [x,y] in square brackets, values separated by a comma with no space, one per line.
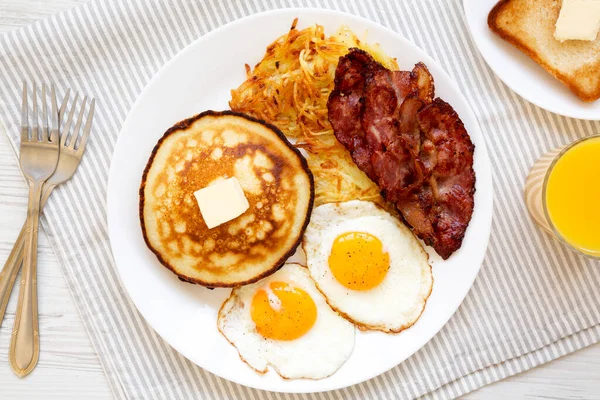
[529,25]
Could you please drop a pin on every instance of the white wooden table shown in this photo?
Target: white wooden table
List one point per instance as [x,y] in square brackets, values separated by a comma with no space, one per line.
[69,367]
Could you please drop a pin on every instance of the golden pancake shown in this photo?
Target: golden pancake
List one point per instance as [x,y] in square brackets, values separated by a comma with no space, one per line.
[276,181]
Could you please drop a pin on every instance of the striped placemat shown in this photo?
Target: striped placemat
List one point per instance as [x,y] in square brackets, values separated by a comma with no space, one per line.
[532,302]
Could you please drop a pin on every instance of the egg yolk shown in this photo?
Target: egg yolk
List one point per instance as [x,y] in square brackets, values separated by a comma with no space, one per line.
[357,260]
[283,312]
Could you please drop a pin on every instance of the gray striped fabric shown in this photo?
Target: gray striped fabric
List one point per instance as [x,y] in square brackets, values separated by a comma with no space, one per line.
[532,302]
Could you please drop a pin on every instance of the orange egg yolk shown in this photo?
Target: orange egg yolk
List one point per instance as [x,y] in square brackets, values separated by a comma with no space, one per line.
[283,312]
[357,260]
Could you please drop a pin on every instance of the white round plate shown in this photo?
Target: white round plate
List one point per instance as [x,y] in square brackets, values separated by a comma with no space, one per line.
[200,78]
[521,73]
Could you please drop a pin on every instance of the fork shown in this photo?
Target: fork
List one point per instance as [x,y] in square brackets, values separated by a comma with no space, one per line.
[9,272]
[68,161]
[39,154]
[72,148]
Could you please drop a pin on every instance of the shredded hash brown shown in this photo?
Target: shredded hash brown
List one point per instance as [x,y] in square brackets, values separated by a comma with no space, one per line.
[289,88]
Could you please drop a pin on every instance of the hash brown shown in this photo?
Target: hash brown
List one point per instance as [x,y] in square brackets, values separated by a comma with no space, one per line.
[289,88]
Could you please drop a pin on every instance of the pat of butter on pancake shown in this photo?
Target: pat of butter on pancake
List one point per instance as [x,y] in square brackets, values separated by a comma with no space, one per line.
[578,20]
[221,202]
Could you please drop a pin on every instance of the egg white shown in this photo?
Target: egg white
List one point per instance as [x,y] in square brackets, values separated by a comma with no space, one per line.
[398,301]
[315,355]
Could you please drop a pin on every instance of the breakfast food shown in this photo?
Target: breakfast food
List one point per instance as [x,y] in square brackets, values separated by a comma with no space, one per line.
[205,150]
[530,25]
[368,265]
[413,146]
[221,201]
[578,20]
[284,322]
[289,88]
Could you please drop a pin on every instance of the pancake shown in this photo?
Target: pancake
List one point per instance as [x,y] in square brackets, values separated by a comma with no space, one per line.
[273,174]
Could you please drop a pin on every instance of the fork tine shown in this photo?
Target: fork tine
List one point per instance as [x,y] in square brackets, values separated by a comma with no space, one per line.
[34,128]
[67,127]
[63,106]
[78,124]
[86,129]
[44,114]
[24,116]
[54,127]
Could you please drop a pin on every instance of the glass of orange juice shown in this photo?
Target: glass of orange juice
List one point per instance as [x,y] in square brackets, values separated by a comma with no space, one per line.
[571,196]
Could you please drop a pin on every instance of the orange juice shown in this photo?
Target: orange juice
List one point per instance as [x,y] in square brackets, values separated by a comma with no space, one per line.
[572,196]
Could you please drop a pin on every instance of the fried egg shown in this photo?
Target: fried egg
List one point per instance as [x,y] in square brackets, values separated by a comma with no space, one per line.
[283,321]
[368,265]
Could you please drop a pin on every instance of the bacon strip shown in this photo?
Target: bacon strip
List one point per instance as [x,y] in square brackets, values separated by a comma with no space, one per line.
[413,146]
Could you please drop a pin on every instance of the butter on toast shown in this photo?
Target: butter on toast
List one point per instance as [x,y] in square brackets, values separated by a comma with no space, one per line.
[529,25]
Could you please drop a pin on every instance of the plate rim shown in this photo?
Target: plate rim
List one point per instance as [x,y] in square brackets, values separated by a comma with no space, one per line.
[481,147]
[496,69]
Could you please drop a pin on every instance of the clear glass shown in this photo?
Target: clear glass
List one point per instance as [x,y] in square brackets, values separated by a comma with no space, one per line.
[545,206]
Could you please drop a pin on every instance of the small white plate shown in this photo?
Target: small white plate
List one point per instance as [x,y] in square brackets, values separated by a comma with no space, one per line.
[521,73]
[200,78]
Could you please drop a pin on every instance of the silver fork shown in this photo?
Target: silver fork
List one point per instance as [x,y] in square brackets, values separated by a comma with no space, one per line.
[72,148]
[68,161]
[11,268]
[39,154]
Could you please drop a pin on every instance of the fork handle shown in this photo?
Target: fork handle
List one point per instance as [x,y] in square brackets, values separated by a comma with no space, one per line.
[9,272]
[25,345]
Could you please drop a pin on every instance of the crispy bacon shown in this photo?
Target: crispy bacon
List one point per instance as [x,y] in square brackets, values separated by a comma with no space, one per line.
[413,146]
